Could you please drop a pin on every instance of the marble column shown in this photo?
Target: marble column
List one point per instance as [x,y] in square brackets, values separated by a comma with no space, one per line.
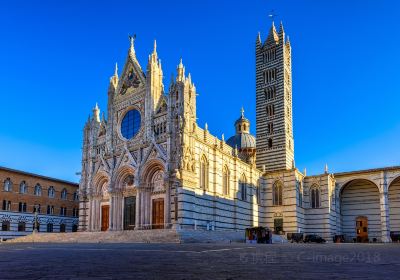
[167,206]
[137,211]
[385,226]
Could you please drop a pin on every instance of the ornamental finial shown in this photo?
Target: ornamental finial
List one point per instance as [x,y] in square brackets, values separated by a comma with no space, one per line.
[132,40]
[242,112]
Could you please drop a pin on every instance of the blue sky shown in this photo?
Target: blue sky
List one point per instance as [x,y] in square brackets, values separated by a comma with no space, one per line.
[57,57]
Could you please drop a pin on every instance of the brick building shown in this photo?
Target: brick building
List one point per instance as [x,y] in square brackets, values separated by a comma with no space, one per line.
[22,193]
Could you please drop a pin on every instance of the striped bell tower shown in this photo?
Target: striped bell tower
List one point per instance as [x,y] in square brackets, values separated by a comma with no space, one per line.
[274,122]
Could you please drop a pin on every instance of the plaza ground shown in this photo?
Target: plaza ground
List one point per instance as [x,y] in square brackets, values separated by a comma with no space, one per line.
[199,261]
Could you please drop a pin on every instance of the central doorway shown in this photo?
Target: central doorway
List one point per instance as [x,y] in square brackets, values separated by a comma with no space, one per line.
[129,213]
[362,229]
[158,213]
[105,215]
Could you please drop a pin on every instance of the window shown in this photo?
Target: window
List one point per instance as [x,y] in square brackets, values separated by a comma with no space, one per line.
[64,194]
[243,188]
[269,76]
[277,193]
[36,208]
[270,110]
[270,143]
[5,226]
[76,197]
[6,205]
[24,207]
[204,173]
[50,227]
[51,192]
[62,228]
[225,181]
[7,185]
[75,212]
[38,190]
[74,228]
[130,124]
[258,193]
[270,93]
[50,209]
[270,127]
[299,189]
[315,197]
[63,211]
[22,187]
[21,226]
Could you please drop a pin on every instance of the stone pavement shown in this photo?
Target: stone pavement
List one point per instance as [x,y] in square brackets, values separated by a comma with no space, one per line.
[199,261]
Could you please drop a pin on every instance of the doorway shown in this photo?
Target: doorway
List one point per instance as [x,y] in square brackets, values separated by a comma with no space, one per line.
[105,214]
[278,225]
[158,213]
[129,213]
[362,229]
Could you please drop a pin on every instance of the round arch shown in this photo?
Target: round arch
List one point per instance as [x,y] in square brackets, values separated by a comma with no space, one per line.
[394,204]
[360,197]
[100,182]
[124,177]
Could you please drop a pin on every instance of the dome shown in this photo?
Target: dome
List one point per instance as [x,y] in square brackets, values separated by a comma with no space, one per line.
[242,141]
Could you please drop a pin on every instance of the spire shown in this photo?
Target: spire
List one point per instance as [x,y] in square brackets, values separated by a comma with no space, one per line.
[116,70]
[242,111]
[258,39]
[132,47]
[281,29]
[155,47]
[272,35]
[181,72]
[326,168]
[96,113]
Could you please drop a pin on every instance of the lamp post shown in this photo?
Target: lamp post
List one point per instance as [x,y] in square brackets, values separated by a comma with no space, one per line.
[35,221]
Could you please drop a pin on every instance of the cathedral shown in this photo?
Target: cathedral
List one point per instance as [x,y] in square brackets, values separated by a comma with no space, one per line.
[146,163]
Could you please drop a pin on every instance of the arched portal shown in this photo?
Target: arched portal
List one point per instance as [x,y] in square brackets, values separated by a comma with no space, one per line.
[124,199]
[154,197]
[394,205]
[360,199]
[98,203]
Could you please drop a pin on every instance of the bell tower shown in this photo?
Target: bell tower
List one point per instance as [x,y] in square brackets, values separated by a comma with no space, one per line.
[274,123]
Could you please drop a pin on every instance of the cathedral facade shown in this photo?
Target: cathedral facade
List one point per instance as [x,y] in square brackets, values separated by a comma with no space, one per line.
[148,164]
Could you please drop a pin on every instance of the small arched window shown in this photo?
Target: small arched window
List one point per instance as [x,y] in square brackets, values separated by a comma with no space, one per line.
[22,187]
[243,187]
[315,197]
[49,227]
[21,226]
[51,192]
[5,226]
[76,196]
[7,185]
[38,190]
[225,181]
[64,194]
[270,143]
[277,193]
[62,228]
[204,173]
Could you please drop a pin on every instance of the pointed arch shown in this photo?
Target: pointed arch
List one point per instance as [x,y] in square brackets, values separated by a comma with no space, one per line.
[243,187]
[225,180]
[277,193]
[204,166]
[315,196]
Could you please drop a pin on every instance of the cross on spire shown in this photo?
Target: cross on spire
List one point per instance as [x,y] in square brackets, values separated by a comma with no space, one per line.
[272,15]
